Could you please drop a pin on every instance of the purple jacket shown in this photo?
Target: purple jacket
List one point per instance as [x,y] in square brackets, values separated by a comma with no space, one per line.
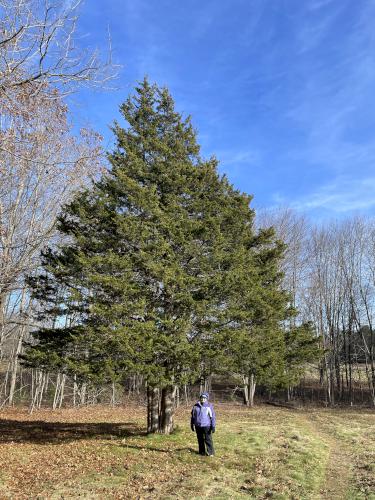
[203,415]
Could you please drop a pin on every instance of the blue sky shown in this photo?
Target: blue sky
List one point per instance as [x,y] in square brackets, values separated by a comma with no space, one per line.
[281,91]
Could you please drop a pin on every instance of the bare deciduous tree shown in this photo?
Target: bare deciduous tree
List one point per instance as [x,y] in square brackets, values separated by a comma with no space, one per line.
[38,45]
[41,165]
[41,162]
[292,228]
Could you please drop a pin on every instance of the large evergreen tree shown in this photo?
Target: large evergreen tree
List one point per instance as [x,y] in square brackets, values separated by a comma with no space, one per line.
[160,263]
[141,270]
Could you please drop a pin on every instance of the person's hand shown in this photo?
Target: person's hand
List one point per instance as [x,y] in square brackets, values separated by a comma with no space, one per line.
[192,427]
[213,430]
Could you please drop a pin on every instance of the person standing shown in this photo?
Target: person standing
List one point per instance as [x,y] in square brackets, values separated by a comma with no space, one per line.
[203,422]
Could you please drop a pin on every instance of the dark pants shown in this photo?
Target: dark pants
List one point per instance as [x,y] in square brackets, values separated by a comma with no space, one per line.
[204,435]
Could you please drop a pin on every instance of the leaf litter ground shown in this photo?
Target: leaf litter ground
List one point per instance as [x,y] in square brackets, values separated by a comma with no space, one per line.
[266,452]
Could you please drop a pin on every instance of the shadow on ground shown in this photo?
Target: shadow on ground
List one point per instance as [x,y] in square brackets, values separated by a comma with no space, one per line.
[161,450]
[39,431]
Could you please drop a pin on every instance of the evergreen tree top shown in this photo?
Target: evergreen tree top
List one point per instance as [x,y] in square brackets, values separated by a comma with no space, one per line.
[162,255]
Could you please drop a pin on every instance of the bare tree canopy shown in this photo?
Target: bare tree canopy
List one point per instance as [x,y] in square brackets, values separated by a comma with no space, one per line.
[41,164]
[41,161]
[38,44]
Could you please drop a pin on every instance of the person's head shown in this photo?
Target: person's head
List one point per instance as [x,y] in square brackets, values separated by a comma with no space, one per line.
[203,398]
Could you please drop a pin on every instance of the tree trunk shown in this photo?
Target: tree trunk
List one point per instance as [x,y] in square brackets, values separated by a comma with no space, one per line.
[83,394]
[177,396]
[166,410]
[59,391]
[186,393]
[370,381]
[245,390]
[75,390]
[252,386]
[113,396]
[13,377]
[249,389]
[202,384]
[44,382]
[38,389]
[2,323]
[152,409]
[62,391]
[350,362]
[208,383]
[372,365]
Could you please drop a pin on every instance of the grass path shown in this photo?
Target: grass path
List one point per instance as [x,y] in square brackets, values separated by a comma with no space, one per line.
[265,452]
[337,479]
[336,484]
[338,476]
[350,437]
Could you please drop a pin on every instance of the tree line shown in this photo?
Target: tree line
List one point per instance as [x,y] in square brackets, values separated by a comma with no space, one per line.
[329,270]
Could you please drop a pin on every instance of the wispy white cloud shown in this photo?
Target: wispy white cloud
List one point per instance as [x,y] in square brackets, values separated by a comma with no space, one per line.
[332,96]
[334,111]
[316,26]
[318,4]
[341,197]
[145,41]
[235,157]
[235,162]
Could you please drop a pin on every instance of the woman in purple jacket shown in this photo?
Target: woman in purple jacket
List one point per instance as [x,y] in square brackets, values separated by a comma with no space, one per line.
[203,422]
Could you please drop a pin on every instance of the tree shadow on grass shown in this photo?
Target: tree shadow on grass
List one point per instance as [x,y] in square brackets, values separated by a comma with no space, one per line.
[160,450]
[39,431]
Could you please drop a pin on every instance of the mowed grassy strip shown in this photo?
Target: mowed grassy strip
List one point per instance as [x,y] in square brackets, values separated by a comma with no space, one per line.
[100,452]
[355,430]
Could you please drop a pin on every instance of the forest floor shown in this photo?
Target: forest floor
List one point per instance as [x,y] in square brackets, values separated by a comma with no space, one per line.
[101,452]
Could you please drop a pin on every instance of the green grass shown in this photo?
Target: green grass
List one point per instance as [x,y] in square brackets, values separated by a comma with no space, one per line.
[355,430]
